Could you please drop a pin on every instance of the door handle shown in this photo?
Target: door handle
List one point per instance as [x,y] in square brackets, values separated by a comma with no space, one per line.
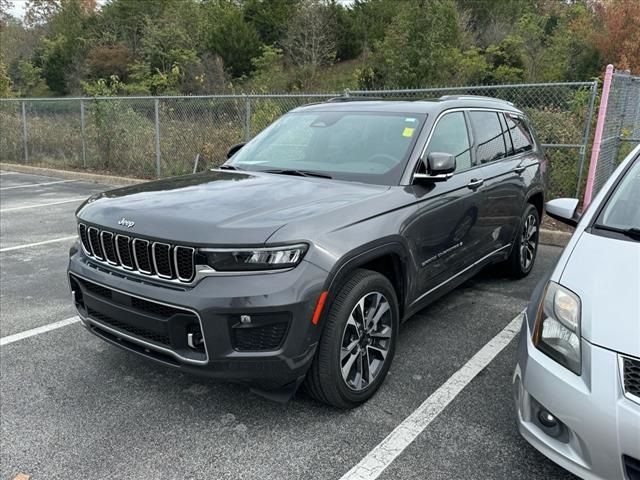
[519,169]
[475,183]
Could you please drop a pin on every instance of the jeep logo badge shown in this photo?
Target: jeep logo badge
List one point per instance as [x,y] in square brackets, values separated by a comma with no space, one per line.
[126,223]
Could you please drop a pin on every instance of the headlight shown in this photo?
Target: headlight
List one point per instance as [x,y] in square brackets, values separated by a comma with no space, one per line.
[557,328]
[246,259]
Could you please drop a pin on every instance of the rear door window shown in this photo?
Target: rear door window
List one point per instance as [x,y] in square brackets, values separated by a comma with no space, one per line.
[451,136]
[490,143]
[520,134]
[505,132]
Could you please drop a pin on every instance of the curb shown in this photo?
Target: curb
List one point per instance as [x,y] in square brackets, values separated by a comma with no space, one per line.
[552,237]
[71,175]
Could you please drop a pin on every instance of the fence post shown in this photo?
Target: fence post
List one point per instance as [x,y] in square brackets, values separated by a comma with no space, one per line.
[597,139]
[24,133]
[84,143]
[586,133]
[157,115]
[247,118]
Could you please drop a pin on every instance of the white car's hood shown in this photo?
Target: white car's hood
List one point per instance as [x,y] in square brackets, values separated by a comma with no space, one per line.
[605,273]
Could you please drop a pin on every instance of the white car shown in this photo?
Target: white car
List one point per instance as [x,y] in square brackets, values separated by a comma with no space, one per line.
[577,380]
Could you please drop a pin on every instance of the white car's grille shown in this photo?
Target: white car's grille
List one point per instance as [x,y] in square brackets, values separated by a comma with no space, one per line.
[631,376]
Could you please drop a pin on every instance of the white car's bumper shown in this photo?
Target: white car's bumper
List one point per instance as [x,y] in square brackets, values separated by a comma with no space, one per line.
[599,436]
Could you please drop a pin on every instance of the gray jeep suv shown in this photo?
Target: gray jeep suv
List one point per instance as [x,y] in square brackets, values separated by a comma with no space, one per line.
[298,259]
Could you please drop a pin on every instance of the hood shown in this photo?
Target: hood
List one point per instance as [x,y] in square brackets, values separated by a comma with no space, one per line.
[220,207]
[605,273]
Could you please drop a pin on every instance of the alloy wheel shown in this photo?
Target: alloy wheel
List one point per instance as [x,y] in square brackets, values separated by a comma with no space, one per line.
[366,340]
[528,241]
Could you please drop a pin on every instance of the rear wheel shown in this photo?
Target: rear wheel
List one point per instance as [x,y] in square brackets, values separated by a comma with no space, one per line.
[358,342]
[524,252]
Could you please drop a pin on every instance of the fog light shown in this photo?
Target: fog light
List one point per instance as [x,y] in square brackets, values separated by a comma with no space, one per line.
[194,340]
[547,419]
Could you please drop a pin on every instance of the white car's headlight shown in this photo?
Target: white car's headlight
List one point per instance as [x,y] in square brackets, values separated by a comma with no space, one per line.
[557,327]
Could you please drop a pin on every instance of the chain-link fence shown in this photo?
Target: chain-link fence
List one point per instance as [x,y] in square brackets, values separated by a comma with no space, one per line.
[150,137]
[618,127]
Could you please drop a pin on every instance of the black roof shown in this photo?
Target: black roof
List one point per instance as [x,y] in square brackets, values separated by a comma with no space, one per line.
[346,104]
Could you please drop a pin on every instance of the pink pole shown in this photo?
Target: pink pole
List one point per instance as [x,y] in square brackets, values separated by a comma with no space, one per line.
[597,139]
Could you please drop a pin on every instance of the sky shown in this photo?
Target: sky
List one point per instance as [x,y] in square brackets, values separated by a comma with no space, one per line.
[18,8]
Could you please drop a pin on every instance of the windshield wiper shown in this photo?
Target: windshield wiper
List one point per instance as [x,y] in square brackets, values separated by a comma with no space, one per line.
[229,167]
[299,173]
[632,232]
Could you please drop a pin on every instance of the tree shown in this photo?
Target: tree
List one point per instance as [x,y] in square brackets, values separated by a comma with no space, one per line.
[571,53]
[349,44]
[61,52]
[123,21]
[531,30]
[311,37]
[5,11]
[371,19]
[493,20]
[229,36]
[418,46]
[270,17]
[40,12]
[619,40]
[5,80]
[28,81]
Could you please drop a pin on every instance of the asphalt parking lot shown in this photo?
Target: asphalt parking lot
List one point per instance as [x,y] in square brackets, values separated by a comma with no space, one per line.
[72,406]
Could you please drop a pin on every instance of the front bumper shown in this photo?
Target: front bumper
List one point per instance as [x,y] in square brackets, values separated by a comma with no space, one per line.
[600,437]
[270,349]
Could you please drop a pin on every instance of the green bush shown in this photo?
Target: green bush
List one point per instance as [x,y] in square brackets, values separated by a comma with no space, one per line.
[10,133]
[120,137]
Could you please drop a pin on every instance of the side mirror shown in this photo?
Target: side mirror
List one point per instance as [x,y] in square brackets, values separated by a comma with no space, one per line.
[564,210]
[234,148]
[439,167]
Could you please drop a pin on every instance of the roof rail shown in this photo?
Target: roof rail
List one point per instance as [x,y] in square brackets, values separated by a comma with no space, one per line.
[473,97]
[353,99]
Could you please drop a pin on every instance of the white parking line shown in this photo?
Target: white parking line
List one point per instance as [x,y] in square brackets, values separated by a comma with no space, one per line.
[371,466]
[68,200]
[36,184]
[8,173]
[28,245]
[37,331]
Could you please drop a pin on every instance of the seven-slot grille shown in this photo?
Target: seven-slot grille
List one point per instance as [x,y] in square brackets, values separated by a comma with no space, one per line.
[138,254]
[631,376]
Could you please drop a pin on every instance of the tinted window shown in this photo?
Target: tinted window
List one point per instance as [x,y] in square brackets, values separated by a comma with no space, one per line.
[364,147]
[520,134]
[451,136]
[507,138]
[490,145]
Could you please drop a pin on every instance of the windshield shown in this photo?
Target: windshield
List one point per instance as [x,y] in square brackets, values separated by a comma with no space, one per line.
[358,146]
[621,211]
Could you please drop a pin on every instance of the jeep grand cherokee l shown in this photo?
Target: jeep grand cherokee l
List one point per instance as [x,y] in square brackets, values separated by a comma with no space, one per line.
[298,259]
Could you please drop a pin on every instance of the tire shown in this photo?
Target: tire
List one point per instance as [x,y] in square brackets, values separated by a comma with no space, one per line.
[365,353]
[523,255]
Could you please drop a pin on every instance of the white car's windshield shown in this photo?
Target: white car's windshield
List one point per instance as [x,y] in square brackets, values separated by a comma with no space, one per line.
[359,146]
[622,211]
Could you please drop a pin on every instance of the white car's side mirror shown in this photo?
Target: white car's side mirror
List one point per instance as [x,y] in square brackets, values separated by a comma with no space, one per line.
[564,210]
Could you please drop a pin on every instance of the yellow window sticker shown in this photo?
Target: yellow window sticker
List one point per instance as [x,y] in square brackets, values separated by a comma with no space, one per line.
[408,132]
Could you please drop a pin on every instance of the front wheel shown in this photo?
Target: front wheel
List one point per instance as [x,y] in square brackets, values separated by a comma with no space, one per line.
[520,262]
[358,342]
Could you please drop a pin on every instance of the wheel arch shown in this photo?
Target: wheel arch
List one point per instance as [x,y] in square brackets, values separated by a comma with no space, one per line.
[389,259]
[537,200]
